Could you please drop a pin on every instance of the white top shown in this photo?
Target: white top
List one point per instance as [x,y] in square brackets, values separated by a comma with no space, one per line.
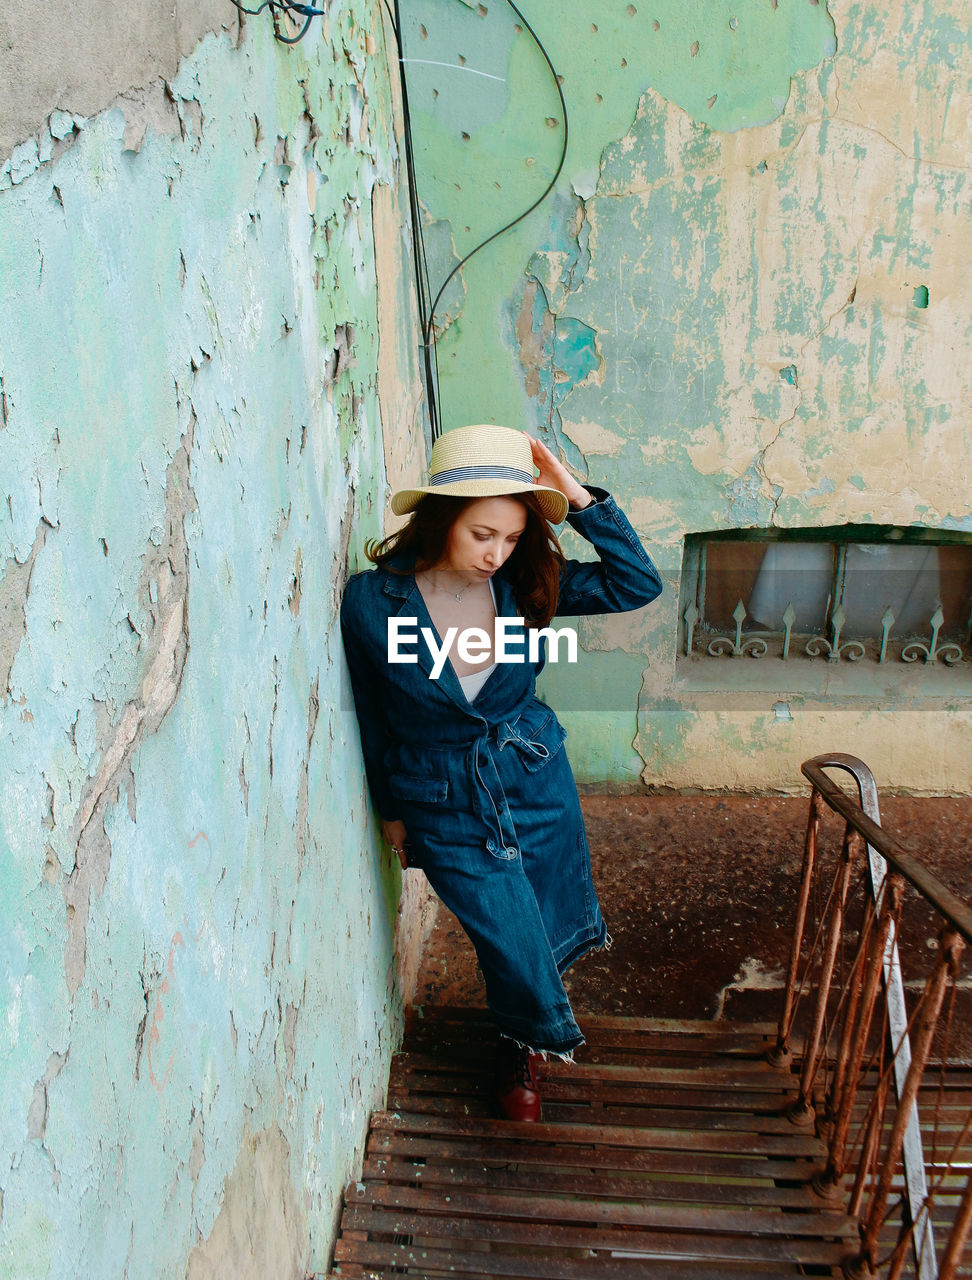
[473,683]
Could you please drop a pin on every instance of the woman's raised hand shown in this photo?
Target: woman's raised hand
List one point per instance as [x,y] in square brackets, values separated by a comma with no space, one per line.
[554,475]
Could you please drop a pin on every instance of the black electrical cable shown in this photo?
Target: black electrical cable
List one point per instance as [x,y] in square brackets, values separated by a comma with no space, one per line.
[430,355]
[290,39]
[306,11]
[539,200]
[423,288]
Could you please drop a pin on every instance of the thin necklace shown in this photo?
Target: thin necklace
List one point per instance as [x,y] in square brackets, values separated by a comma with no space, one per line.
[448,591]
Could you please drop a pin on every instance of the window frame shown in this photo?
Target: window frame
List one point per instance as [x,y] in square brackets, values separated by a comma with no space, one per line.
[699,641]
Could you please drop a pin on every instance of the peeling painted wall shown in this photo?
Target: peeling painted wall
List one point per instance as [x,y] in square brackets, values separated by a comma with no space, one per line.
[55,56]
[200,987]
[719,314]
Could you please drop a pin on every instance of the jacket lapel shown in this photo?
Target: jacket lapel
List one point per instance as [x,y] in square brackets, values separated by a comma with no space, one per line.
[411,605]
[405,600]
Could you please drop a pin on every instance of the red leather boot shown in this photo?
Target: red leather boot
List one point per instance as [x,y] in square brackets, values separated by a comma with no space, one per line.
[517,1094]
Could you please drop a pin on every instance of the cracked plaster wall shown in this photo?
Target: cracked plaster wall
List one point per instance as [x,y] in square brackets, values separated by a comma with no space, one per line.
[55,56]
[198,380]
[715,315]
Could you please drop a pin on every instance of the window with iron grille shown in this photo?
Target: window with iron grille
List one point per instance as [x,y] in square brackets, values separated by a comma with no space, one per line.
[872,593]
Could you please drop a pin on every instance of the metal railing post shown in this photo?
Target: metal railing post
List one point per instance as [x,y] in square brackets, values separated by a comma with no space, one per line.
[803,1107]
[951,947]
[956,1241]
[855,1049]
[914,1160]
[781,1053]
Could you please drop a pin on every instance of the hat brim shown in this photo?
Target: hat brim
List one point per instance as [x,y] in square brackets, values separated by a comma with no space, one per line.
[552,502]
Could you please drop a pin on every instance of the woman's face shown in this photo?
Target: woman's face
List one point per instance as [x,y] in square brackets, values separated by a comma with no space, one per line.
[483,536]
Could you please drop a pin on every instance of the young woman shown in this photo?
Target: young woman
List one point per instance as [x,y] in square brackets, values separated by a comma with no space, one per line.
[465,765]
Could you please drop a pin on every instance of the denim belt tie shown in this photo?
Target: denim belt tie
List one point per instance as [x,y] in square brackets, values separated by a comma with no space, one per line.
[502,842]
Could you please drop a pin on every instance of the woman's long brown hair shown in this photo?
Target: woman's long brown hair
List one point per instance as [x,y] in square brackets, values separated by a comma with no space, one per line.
[534,565]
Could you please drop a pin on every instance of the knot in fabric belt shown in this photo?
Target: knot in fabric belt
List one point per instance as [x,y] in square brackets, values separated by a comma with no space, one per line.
[505,735]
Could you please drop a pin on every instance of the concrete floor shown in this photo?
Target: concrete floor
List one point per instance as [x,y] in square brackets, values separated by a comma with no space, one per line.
[699,893]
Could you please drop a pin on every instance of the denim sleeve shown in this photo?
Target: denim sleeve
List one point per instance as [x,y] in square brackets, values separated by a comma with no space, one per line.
[622,578]
[366,683]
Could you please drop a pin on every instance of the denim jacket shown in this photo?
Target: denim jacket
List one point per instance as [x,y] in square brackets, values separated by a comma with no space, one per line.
[484,788]
[405,716]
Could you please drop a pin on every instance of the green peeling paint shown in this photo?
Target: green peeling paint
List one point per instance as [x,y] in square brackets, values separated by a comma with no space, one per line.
[196,929]
[723,310]
[489,123]
[595,699]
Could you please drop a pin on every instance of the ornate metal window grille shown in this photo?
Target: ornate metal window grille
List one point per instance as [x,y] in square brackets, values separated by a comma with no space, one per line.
[881,593]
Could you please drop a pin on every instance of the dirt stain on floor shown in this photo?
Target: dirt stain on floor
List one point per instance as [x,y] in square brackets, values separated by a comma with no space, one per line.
[699,893]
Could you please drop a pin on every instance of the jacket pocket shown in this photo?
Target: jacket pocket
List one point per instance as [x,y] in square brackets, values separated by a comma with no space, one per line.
[418,790]
[537,738]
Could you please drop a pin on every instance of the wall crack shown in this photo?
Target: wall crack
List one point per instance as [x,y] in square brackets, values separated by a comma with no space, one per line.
[165,592]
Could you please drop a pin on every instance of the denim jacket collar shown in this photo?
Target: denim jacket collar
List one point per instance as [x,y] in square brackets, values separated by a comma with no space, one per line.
[403,585]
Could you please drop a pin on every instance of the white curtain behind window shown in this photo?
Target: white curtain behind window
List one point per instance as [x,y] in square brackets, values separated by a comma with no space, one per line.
[905,579]
[797,573]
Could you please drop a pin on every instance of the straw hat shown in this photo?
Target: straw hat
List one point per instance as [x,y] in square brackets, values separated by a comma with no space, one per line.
[482,462]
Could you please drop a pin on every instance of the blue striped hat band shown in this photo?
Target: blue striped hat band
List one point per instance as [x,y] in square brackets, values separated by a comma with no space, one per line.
[487,471]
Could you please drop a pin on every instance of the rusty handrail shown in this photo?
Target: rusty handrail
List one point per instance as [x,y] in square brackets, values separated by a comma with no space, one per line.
[887,913]
[852,997]
[957,912]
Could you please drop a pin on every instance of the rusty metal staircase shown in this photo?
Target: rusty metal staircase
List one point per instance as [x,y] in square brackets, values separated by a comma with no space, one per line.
[664,1150]
[837,1143]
